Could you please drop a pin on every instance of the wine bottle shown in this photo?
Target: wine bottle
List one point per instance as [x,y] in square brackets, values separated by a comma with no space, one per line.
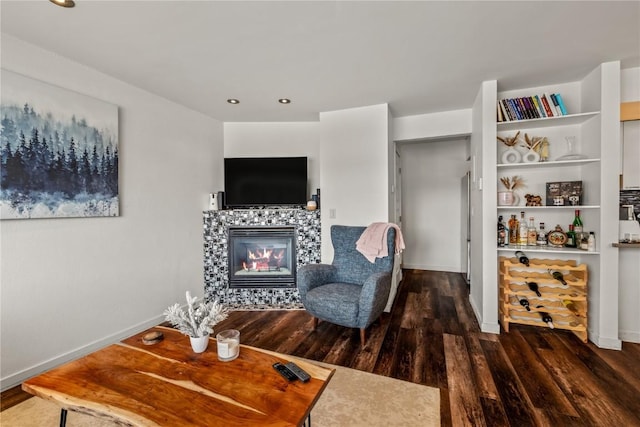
[571,237]
[558,276]
[524,302]
[577,222]
[547,318]
[534,287]
[522,258]
[571,306]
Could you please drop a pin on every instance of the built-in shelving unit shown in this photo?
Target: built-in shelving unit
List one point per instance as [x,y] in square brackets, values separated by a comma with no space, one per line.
[592,123]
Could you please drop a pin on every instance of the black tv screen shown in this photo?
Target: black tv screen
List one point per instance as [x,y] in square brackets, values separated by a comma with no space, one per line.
[251,181]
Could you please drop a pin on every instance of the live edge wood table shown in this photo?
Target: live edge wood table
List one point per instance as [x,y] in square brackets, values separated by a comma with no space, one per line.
[167,384]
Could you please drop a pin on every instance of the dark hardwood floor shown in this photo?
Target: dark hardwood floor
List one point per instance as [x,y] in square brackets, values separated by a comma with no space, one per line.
[528,377]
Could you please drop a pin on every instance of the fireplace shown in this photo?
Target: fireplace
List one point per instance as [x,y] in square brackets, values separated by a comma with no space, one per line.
[262,257]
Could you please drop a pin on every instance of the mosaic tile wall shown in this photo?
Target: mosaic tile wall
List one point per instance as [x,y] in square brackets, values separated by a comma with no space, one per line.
[216,279]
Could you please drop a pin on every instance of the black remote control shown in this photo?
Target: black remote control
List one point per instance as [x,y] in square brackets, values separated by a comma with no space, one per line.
[300,373]
[284,371]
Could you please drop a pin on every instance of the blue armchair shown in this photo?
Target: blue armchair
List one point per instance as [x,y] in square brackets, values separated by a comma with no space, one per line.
[352,291]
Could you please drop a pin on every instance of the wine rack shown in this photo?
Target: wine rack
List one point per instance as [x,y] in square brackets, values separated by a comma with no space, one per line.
[513,278]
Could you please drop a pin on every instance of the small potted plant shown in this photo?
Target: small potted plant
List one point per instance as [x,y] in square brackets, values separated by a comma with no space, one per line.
[508,197]
[198,321]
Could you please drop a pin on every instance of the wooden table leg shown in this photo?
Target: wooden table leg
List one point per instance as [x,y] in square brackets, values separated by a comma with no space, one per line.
[63,417]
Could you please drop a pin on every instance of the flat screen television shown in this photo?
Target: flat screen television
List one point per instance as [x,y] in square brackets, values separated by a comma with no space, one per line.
[265,181]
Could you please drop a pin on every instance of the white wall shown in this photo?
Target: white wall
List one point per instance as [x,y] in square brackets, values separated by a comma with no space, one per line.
[432,203]
[277,139]
[72,285]
[630,84]
[354,178]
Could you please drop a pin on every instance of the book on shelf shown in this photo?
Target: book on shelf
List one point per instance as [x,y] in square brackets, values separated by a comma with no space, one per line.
[563,109]
[547,107]
[555,104]
[531,107]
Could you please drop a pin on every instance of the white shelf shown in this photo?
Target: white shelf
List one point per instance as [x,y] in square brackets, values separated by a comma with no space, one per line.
[545,249]
[555,163]
[571,119]
[568,207]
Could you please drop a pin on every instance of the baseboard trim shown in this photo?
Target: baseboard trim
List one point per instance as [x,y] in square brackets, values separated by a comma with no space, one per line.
[607,343]
[630,336]
[17,378]
[444,268]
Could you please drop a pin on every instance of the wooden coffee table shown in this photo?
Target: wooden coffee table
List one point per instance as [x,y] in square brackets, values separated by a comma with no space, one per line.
[167,384]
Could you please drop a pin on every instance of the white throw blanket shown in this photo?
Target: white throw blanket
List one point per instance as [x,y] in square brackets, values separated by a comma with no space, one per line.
[373,242]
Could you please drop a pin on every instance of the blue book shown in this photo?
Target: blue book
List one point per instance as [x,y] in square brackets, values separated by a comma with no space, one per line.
[561,104]
[516,109]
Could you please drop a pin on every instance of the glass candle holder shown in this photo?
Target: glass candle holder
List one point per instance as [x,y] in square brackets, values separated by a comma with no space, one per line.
[228,345]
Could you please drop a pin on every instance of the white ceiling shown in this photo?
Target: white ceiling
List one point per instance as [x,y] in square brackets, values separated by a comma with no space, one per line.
[419,57]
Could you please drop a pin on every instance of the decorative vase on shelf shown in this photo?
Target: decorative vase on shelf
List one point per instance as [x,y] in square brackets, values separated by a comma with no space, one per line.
[507,198]
[532,156]
[571,150]
[199,344]
[511,155]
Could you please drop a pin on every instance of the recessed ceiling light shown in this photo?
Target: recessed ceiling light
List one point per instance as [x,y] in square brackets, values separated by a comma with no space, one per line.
[284,101]
[233,101]
[64,3]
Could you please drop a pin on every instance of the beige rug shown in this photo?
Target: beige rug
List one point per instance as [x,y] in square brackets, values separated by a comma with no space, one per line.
[352,398]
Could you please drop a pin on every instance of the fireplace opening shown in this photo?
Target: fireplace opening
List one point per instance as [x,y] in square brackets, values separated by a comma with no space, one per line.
[262,257]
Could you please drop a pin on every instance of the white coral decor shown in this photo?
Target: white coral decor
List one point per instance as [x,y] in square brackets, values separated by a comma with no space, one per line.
[198,321]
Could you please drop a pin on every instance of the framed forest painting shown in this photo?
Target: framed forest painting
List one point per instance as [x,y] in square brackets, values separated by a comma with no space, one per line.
[58,152]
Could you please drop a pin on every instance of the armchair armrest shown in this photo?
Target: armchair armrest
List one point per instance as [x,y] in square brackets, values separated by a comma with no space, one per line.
[313,275]
[373,298]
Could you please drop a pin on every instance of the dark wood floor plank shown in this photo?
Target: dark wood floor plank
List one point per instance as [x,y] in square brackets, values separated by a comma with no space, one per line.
[486,387]
[530,376]
[542,391]
[466,409]
[582,388]
[514,400]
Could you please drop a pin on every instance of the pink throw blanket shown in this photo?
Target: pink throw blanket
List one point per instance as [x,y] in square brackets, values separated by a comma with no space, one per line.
[373,242]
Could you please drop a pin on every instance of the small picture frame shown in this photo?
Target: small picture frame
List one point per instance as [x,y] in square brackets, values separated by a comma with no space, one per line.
[567,193]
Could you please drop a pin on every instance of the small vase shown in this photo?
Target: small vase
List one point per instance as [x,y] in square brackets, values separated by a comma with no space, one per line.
[199,344]
[511,155]
[506,198]
[532,156]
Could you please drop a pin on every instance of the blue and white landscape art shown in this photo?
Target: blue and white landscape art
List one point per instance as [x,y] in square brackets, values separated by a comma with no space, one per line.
[58,152]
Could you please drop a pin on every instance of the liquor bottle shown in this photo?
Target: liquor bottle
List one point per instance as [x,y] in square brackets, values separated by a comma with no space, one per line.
[542,236]
[513,230]
[524,302]
[558,276]
[522,230]
[532,233]
[577,222]
[501,232]
[591,242]
[522,258]
[571,237]
[547,319]
[534,287]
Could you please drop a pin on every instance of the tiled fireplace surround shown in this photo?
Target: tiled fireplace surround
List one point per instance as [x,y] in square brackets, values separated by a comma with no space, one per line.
[216,236]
